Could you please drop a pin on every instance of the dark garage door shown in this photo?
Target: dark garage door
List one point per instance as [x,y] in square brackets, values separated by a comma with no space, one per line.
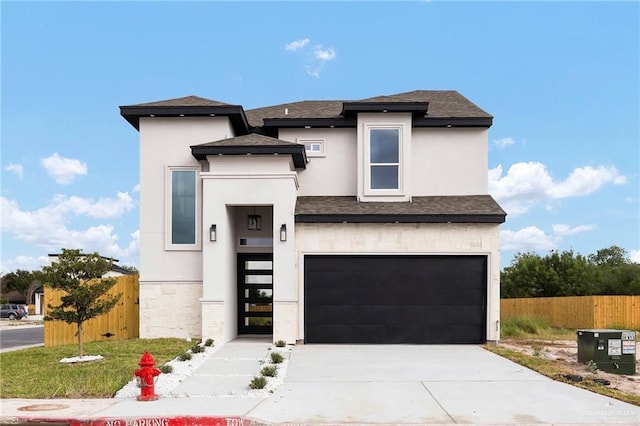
[395,299]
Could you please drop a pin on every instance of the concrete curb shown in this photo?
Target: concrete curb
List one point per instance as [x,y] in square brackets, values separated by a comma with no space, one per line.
[17,348]
[141,421]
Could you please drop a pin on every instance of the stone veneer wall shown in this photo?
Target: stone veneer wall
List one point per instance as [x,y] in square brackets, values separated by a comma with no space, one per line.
[169,309]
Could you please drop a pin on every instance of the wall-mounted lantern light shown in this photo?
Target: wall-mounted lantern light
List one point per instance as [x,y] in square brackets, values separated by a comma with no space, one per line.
[213,233]
[283,232]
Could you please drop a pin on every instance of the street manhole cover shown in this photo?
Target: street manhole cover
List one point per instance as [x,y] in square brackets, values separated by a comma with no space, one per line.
[43,407]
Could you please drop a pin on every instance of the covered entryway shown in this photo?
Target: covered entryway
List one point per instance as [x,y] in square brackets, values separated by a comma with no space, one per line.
[395,299]
[255,293]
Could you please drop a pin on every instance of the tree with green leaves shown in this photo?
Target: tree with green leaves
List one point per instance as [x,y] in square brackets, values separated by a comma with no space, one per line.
[21,281]
[80,277]
[607,272]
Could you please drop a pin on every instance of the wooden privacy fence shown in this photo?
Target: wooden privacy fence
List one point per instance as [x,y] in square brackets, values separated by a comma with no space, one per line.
[577,311]
[121,322]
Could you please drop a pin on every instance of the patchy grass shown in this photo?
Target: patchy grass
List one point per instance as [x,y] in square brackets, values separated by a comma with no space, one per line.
[37,372]
[533,328]
[555,371]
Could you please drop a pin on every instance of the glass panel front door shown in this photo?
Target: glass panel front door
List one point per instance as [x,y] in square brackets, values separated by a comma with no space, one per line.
[255,293]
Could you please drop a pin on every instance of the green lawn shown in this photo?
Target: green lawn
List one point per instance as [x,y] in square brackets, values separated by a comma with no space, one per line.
[37,372]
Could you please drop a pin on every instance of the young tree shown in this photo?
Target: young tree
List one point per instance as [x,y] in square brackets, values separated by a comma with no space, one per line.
[79,275]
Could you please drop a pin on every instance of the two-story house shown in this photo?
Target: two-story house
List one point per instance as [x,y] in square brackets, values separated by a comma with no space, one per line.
[319,221]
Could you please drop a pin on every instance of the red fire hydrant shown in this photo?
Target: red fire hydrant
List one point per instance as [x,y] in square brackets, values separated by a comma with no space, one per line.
[146,377]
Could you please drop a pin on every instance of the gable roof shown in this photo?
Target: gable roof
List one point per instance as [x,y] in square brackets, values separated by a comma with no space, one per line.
[431,209]
[253,144]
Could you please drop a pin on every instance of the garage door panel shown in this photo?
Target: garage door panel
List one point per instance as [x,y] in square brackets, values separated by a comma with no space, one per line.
[395,299]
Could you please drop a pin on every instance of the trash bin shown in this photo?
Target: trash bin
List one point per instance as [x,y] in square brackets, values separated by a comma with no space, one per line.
[613,351]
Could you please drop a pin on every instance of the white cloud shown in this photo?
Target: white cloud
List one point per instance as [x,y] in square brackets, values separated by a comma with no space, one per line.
[47,227]
[136,188]
[315,57]
[533,238]
[324,55]
[297,44]
[565,230]
[102,209]
[26,263]
[16,169]
[586,180]
[504,142]
[634,256]
[529,184]
[529,238]
[63,170]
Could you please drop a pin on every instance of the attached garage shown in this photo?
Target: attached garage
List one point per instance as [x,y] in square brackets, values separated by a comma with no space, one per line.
[395,299]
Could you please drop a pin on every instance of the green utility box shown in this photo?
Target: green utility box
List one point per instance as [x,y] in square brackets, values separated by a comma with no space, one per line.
[613,351]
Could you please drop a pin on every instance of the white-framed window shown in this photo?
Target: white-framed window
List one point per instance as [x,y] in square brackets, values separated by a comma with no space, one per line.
[313,147]
[383,157]
[181,227]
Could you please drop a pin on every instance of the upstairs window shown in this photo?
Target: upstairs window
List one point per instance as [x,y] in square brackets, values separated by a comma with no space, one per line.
[384,159]
[313,147]
[182,217]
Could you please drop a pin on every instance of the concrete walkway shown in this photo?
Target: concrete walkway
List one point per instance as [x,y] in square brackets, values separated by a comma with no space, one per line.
[355,384]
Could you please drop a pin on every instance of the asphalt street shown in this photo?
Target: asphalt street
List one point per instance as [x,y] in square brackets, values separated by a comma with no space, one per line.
[21,336]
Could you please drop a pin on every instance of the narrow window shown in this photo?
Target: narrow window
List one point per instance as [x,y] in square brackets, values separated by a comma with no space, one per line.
[183,207]
[384,161]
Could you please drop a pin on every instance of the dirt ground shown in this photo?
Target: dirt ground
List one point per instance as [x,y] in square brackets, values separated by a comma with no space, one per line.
[565,352]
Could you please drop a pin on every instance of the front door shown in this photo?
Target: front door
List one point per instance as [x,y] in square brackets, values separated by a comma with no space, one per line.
[255,293]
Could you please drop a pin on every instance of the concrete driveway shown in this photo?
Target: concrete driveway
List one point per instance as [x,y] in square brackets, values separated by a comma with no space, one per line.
[427,384]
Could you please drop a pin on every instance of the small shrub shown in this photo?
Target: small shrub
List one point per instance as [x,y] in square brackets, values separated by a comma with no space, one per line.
[281,343]
[592,366]
[166,369]
[185,356]
[196,349]
[208,342]
[258,382]
[276,358]
[537,349]
[269,371]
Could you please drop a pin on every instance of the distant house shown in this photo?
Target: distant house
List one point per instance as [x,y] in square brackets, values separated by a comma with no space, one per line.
[115,271]
[365,221]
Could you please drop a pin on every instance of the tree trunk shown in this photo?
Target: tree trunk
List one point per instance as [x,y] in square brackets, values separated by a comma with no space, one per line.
[80,339]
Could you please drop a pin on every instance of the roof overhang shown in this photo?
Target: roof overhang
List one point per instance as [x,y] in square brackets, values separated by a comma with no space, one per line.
[309,122]
[338,122]
[297,152]
[417,109]
[423,209]
[235,113]
[453,122]
[396,218]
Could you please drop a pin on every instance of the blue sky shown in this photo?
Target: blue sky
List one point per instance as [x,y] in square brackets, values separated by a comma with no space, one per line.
[562,80]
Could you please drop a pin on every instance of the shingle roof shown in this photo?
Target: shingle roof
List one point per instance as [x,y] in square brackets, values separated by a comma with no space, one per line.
[252,139]
[442,104]
[254,144]
[184,101]
[434,209]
